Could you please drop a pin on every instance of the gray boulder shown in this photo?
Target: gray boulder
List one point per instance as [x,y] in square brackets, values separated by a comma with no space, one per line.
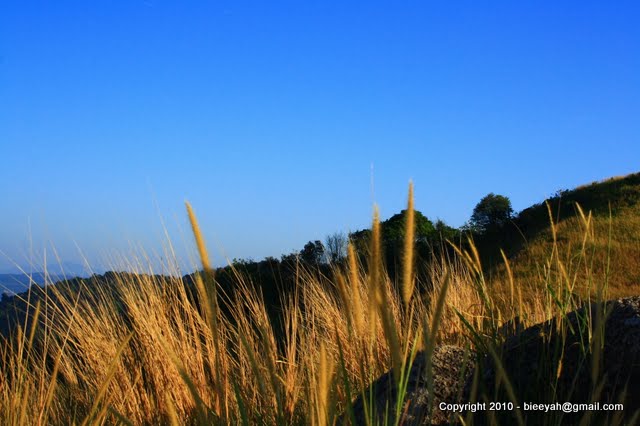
[549,362]
[557,361]
[450,366]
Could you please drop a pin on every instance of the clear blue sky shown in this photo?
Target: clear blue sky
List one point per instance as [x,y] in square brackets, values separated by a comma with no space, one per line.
[268,116]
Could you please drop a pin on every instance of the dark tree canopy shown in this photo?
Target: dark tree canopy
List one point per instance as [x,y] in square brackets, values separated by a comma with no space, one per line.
[394,228]
[313,253]
[492,212]
[444,231]
[393,231]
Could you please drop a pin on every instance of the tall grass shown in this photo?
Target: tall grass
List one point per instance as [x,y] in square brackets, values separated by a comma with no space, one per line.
[149,350]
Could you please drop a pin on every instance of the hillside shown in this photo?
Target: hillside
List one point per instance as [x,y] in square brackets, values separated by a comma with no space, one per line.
[604,247]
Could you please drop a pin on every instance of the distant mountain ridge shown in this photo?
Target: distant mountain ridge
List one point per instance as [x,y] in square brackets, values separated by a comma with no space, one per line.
[15,280]
[18,283]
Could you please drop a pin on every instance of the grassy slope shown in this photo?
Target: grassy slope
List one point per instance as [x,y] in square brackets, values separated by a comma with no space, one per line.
[611,247]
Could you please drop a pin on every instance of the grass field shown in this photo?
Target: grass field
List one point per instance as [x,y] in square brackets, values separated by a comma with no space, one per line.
[146,352]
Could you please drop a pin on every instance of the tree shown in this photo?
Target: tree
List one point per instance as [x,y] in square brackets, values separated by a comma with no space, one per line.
[336,246]
[491,213]
[393,232]
[393,229]
[290,260]
[444,231]
[313,252]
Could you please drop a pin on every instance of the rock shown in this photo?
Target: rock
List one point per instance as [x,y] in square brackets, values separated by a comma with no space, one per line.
[451,367]
[531,359]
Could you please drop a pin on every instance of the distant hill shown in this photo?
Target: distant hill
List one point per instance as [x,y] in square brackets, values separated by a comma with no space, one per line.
[12,281]
[18,283]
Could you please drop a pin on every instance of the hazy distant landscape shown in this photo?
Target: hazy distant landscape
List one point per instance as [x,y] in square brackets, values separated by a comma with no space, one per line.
[18,283]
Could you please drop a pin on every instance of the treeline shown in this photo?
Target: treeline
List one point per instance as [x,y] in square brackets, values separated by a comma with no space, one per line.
[275,277]
[492,227]
[318,257]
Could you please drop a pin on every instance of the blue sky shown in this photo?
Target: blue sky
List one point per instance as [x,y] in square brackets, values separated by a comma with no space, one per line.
[269,116]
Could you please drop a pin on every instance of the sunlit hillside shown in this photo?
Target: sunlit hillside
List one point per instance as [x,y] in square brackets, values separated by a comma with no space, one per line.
[596,235]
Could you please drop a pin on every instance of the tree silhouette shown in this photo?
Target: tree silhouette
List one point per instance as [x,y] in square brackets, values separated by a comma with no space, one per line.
[313,253]
[491,213]
[336,246]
